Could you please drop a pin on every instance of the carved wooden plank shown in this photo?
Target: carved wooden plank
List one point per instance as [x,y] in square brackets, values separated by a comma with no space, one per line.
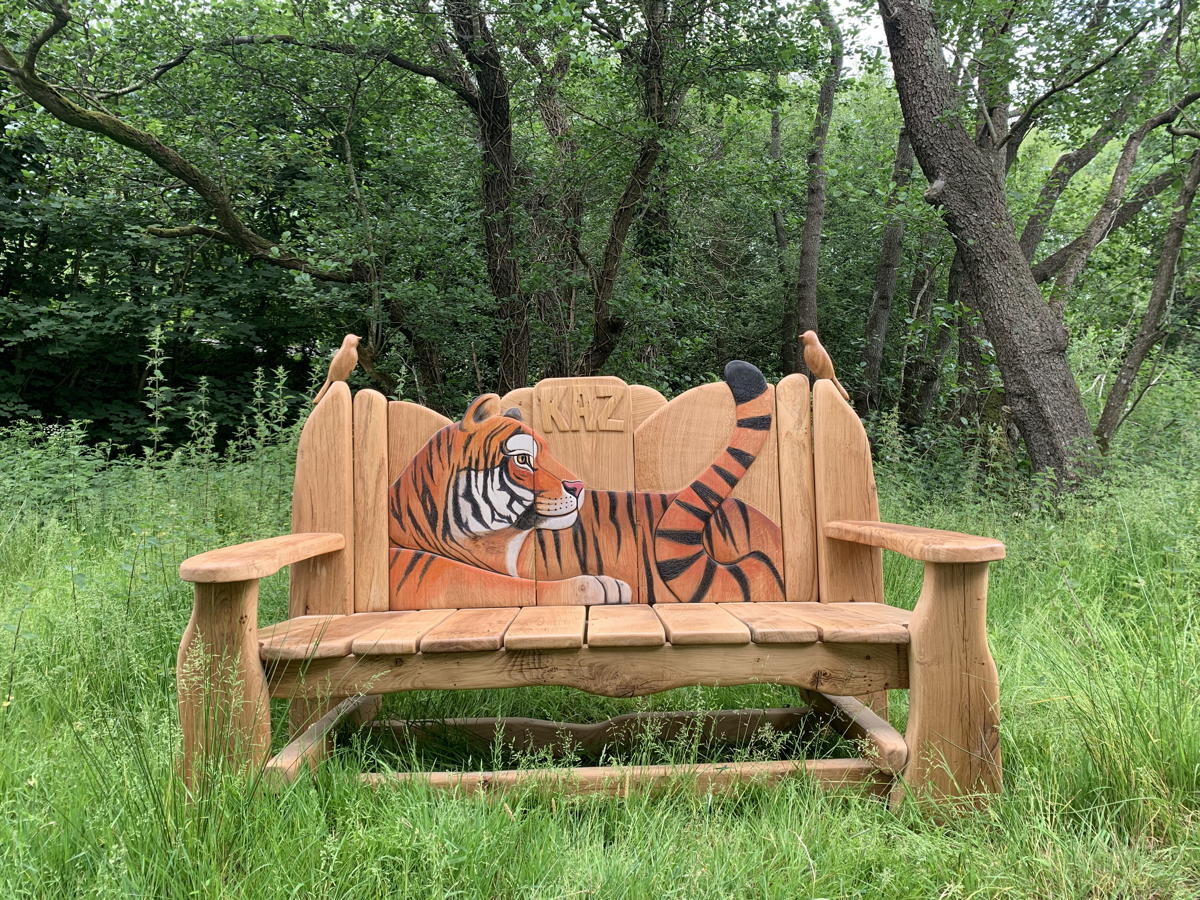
[681,439]
[610,671]
[442,555]
[624,626]
[297,629]
[845,489]
[644,401]
[775,623]
[257,559]
[522,399]
[675,449]
[926,544]
[701,623]
[621,781]
[588,423]
[423,580]
[410,426]
[546,627]
[323,500]
[469,630]
[316,637]
[399,634]
[370,502]
[793,410]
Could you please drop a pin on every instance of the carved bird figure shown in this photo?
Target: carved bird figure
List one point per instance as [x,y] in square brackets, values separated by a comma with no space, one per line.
[341,365]
[816,357]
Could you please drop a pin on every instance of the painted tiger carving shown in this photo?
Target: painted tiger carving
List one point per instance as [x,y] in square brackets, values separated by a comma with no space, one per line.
[485,509]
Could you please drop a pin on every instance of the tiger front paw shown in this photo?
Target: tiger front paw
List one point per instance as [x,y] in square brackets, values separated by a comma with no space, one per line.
[584,590]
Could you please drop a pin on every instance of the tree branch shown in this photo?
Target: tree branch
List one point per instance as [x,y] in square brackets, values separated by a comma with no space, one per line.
[235,231]
[179,231]
[59,21]
[445,79]
[1126,212]
[1069,164]
[1025,119]
[156,73]
[1102,221]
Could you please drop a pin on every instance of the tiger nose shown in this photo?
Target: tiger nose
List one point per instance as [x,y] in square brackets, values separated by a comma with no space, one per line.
[574,488]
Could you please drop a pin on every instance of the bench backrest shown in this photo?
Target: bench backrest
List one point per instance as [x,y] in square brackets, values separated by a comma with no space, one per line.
[814,468]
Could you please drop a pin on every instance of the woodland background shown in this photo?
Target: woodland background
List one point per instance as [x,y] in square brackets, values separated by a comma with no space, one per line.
[495,192]
[198,199]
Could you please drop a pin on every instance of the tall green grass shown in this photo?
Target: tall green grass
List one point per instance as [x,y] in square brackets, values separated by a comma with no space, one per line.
[1094,627]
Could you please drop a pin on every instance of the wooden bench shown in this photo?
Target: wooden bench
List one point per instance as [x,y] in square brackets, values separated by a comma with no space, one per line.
[549,538]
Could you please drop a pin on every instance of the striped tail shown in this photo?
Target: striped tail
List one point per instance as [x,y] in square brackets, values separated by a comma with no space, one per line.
[684,562]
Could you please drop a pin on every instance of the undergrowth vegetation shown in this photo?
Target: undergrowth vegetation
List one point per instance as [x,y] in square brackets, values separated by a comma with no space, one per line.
[1093,623]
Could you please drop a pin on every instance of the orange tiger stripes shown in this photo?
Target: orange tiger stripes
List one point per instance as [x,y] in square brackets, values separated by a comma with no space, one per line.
[487,495]
[684,558]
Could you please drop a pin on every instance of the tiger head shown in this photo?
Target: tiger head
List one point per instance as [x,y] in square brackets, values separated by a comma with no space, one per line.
[480,479]
[506,476]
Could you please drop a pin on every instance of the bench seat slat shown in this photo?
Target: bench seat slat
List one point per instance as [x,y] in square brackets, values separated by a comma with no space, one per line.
[565,627]
[701,623]
[865,623]
[470,629]
[775,623]
[547,628]
[400,634]
[624,626]
[316,637]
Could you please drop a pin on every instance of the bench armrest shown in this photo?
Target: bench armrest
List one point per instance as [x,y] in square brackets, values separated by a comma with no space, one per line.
[257,559]
[925,544]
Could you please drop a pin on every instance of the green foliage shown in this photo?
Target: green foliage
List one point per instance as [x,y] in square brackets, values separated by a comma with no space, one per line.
[353,163]
[1092,622]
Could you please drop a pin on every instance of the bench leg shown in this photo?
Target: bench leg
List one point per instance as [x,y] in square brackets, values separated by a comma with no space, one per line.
[954,696]
[224,706]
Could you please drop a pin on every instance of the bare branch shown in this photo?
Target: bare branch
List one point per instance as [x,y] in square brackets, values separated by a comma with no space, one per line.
[1102,221]
[1069,164]
[190,231]
[1183,132]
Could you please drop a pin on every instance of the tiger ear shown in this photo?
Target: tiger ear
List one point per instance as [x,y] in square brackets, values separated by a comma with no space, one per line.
[482,408]
[514,412]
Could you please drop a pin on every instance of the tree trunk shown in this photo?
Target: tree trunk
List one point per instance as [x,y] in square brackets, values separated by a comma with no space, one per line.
[607,328]
[498,174]
[779,226]
[1151,329]
[556,214]
[972,369]
[927,374]
[884,294]
[1029,339]
[920,305]
[801,314]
